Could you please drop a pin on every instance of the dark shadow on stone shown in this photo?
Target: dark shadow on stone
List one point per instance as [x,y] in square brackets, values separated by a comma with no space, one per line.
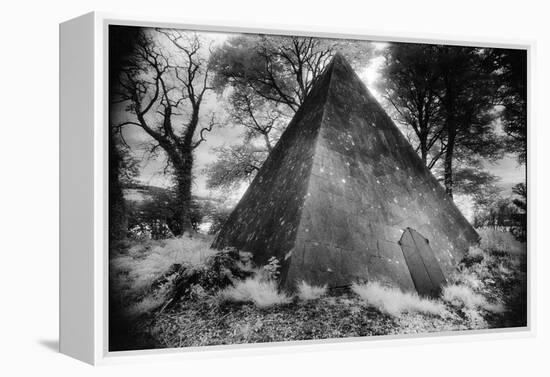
[52,345]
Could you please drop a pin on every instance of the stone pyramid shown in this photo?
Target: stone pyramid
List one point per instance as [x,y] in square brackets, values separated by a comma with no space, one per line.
[343,197]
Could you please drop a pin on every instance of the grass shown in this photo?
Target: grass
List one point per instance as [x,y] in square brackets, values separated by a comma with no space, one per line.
[488,290]
[308,292]
[395,302]
[263,293]
[463,296]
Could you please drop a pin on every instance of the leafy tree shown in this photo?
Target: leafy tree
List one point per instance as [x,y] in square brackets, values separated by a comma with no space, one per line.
[495,211]
[521,191]
[447,96]
[499,213]
[218,218]
[164,88]
[410,83]
[520,202]
[156,216]
[512,79]
[477,183]
[467,103]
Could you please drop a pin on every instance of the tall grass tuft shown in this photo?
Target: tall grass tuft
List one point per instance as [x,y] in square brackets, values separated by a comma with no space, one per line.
[308,292]
[263,293]
[395,302]
[462,296]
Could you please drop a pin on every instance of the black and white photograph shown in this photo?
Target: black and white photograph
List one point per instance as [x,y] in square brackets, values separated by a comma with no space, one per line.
[280,188]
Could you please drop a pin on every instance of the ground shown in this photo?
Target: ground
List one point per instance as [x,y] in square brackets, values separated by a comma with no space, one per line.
[489,290]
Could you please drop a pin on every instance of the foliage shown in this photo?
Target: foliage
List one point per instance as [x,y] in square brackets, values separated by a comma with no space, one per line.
[512,93]
[235,164]
[156,216]
[499,213]
[272,269]
[493,210]
[472,180]
[450,97]
[494,240]
[218,217]
[219,271]
[467,100]
[146,261]
[520,202]
[410,83]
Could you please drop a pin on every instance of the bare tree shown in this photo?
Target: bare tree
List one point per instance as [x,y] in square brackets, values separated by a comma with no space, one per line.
[165,92]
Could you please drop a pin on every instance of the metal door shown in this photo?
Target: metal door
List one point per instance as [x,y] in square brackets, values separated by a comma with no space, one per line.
[425,270]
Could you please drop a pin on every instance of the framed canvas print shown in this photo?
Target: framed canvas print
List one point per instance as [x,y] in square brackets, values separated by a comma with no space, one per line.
[225,186]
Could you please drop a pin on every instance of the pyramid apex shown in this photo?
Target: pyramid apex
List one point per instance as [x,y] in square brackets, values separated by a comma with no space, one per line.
[339,59]
[340,64]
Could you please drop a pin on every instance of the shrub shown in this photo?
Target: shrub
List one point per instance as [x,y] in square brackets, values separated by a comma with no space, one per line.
[260,292]
[198,282]
[498,241]
[473,256]
[308,292]
[476,252]
[271,269]
[474,319]
[393,301]
[468,278]
[463,296]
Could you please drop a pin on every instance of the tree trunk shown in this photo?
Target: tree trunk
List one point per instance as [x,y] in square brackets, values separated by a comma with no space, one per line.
[118,222]
[267,142]
[423,138]
[183,200]
[448,163]
[424,155]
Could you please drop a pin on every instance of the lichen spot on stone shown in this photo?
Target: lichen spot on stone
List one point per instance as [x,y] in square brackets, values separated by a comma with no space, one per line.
[288,255]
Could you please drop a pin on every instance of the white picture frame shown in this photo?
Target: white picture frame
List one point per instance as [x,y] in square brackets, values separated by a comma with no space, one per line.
[84,187]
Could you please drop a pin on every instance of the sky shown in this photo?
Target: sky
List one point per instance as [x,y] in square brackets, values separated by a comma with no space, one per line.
[507,169]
